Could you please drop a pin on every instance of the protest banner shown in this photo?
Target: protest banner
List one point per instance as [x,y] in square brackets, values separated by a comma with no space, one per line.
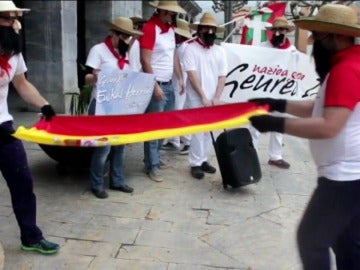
[256,72]
[123,92]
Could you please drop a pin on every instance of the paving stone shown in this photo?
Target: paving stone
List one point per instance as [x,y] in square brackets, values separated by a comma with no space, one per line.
[181,223]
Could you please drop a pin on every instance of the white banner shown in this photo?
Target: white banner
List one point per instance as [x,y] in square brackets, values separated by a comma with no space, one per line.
[123,92]
[255,72]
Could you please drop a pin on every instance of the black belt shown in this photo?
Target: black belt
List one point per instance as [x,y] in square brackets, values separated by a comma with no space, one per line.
[164,83]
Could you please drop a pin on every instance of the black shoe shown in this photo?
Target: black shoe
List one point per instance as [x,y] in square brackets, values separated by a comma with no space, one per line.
[206,167]
[124,188]
[168,146]
[185,150]
[197,173]
[99,193]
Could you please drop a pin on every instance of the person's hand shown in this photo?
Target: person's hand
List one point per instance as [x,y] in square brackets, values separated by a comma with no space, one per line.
[217,101]
[48,112]
[159,93]
[265,123]
[206,102]
[275,104]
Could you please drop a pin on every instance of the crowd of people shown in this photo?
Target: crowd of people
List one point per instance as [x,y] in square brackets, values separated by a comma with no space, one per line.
[190,71]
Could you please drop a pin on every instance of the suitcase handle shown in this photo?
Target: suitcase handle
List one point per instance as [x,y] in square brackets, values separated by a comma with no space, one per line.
[213,137]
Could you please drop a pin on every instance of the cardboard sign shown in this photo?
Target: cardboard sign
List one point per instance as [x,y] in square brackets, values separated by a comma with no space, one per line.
[123,92]
[256,72]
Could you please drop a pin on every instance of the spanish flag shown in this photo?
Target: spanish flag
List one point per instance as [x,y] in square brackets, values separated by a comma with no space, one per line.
[93,131]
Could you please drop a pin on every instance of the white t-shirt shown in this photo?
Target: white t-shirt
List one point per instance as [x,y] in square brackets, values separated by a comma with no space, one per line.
[209,65]
[338,158]
[162,44]
[268,44]
[100,57]
[18,66]
[134,56]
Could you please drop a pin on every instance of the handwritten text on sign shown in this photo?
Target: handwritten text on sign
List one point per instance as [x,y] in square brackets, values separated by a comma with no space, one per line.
[266,72]
[123,92]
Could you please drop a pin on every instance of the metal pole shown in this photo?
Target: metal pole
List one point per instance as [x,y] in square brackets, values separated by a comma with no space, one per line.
[228,17]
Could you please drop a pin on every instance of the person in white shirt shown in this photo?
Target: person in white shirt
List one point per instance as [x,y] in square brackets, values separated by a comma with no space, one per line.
[182,36]
[157,50]
[331,122]
[13,161]
[206,67]
[112,53]
[280,28]
[134,46]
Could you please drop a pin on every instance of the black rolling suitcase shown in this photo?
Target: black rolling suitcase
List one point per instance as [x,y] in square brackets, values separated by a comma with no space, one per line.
[238,160]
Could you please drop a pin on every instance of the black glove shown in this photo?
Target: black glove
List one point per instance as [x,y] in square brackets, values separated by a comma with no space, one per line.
[265,123]
[48,112]
[275,104]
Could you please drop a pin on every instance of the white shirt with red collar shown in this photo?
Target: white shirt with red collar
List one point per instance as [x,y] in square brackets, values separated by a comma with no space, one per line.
[100,57]
[338,158]
[160,39]
[209,64]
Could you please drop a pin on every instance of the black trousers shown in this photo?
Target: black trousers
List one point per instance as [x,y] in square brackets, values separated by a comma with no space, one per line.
[331,220]
[14,168]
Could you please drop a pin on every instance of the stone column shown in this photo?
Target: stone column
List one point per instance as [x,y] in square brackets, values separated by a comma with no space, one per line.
[50,35]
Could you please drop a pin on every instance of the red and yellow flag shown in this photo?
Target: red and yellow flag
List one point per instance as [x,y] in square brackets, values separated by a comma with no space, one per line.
[89,131]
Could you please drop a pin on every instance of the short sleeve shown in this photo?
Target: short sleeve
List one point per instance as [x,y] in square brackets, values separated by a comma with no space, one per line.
[147,40]
[94,58]
[21,66]
[189,58]
[343,86]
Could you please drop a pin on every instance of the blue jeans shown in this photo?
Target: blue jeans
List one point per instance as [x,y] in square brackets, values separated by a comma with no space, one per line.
[100,155]
[115,154]
[152,148]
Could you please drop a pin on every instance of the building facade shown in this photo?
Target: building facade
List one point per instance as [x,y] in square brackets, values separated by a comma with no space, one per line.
[58,36]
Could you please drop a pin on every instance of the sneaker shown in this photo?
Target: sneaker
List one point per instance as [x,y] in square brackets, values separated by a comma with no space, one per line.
[280,163]
[124,188]
[155,175]
[197,172]
[43,247]
[168,146]
[206,167]
[99,193]
[185,150]
[163,165]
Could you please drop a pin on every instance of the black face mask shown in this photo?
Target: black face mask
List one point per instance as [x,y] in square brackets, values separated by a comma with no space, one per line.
[10,41]
[122,47]
[322,57]
[209,39]
[277,40]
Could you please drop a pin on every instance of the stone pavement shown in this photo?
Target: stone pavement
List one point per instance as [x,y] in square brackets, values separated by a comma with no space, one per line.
[181,223]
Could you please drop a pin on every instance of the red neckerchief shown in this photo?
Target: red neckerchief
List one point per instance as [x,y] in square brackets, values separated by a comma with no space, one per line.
[4,64]
[163,26]
[286,44]
[198,40]
[121,59]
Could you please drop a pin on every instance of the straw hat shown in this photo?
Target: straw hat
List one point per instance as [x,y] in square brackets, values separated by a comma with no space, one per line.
[168,5]
[9,6]
[138,19]
[124,25]
[207,19]
[281,22]
[332,18]
[182,28]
